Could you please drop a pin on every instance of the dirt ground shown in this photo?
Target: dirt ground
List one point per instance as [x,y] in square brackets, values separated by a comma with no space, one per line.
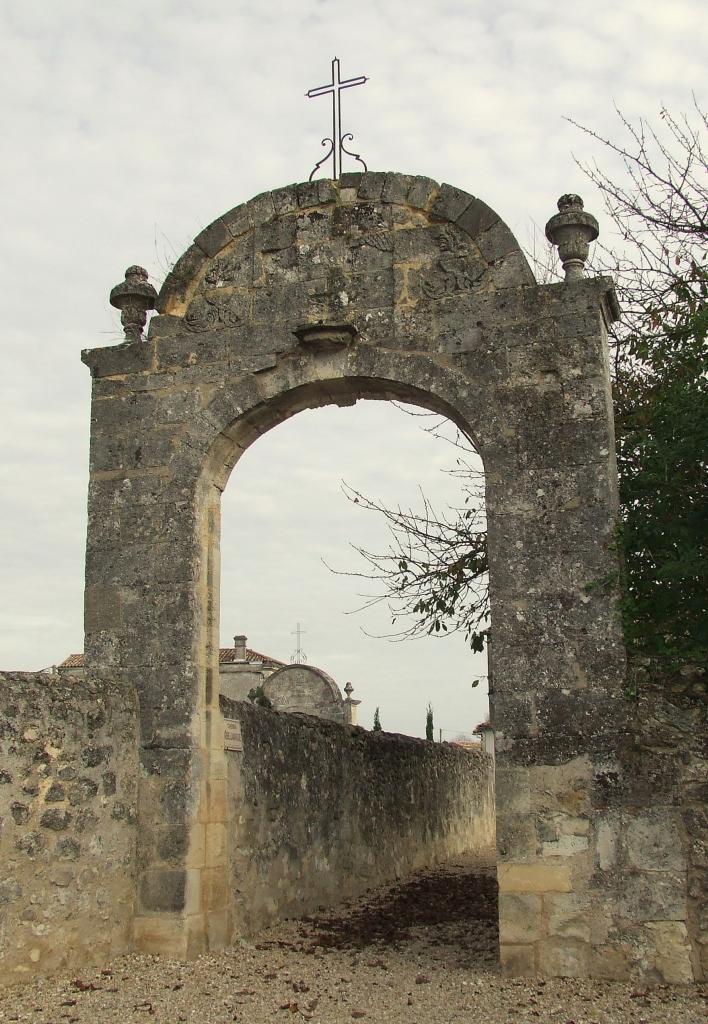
[419,952]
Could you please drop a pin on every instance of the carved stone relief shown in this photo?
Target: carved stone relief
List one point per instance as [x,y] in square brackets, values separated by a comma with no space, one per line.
[381,240]
[456,269]
[217,309]
[224,270]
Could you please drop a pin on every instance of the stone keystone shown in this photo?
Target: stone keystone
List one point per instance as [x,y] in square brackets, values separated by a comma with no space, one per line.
[325,337]
[572,230]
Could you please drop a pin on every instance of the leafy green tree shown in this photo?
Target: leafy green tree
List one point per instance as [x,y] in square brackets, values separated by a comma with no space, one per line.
[662,442]
[429,726]
[660,209]
[377,721]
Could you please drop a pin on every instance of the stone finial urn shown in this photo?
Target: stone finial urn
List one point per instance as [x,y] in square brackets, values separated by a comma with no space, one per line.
[349,706]
[134,297]
[572,230]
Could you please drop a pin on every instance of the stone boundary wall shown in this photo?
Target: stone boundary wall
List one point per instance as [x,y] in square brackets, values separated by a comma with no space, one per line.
[68,790]
[320,812]
[654,835]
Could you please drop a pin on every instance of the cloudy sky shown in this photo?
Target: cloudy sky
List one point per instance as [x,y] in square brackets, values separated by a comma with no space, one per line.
[126,129]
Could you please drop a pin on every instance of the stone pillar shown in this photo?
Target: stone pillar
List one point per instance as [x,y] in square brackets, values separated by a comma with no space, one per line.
[557,660]
[350,706]
[152,569]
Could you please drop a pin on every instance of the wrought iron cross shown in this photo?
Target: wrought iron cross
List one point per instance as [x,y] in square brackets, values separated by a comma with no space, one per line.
[336,143]
[299,657]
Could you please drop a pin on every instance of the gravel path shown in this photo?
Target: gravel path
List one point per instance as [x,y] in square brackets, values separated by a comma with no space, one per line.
[422,952]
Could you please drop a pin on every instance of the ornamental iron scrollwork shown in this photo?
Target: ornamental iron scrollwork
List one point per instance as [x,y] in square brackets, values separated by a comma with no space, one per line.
[348,152]
[325,158]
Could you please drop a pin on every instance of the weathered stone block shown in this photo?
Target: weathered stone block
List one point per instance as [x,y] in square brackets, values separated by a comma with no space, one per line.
[213,238]
[477,218]
[351,179]
[10,890]
[513,790]
[564,958]
[496,242]
[372,185]
[565,846]
[215,889]
[612,962]
[102,608]
[396,188]
[569,916]
[517,961]
[520,918]
[671,955]
[606,842]
[162,890]
[68,848]
[533,878]
[278,234]
[85,789]
[315,193]
[238,220]
[162,934]
[284,199]
[651,840]
[450,203]
[652,897]
[216,844]
[174,288]
[55,819]
[219,929]
[31,843]
[128,357]
[516,838]
[20,813]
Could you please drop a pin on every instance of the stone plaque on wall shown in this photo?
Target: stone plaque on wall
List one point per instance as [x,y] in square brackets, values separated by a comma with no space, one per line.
[232,735]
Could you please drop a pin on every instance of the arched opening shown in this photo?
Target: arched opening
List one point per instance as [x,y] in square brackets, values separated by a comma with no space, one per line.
[401,678]
[233,441]
[287,525]
[468,830]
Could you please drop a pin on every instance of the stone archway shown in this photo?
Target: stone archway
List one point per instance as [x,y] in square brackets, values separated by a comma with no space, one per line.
[378,286]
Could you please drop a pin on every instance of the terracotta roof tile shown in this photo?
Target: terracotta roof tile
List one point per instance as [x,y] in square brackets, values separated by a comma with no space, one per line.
[73,661]
[227,656]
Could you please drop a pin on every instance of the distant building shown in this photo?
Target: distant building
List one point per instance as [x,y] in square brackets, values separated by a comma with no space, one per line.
[293,688]
[486,735]
[242,669]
